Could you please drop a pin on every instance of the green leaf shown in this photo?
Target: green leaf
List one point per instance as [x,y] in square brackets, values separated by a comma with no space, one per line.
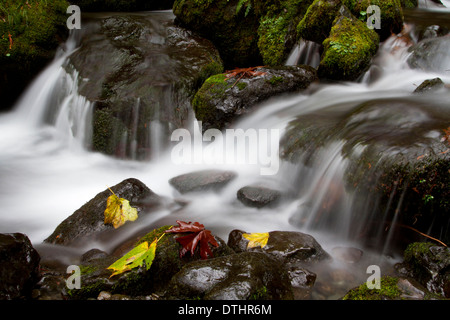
[135,258]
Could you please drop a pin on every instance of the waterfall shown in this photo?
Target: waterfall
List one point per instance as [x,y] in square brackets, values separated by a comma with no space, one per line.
[46,157]
[305,52]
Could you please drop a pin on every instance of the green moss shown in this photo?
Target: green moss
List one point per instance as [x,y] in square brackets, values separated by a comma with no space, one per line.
[260,294]
[348,50]
[107,131]
[390,10]
[35,27]
[215,87]
[272,32]
[388,290]
[318,20]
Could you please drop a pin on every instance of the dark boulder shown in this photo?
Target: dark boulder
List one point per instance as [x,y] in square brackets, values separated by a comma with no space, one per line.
[202,181]
[19,266]
[285,246]
[430,265]
[221,100]
[88,221]
[142,72]
[258,197]
[243,276]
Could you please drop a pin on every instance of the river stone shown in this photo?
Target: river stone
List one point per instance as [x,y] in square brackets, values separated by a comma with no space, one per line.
[430,265]
[285,246]
[430,85]
[242,276]
[431,55]
[347,254]
[221,100]
[202,181]
[88,221]
[19,266]
[258,197]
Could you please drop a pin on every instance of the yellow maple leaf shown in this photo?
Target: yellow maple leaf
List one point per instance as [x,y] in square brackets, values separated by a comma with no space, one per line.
[118,211]
[256,239]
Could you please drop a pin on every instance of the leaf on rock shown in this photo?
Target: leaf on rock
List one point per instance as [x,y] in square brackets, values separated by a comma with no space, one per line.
[118,211]
[256,239]
[135,258]
[197,236]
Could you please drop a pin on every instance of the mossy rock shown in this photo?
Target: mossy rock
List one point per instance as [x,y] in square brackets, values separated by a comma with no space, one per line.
[95,277]
[36,29]
[409,4]
[232,32]
[222,100]
[349,48]
[429,264]
[390,10]
[318,20]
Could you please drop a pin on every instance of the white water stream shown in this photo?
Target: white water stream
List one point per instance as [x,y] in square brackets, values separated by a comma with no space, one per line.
[47,172]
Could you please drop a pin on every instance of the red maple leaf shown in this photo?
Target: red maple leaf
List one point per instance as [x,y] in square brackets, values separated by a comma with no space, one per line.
[197,235]
[244,72]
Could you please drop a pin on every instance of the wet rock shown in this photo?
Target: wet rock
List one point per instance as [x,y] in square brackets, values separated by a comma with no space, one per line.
[221,100]
[88,221]
[430,85]
[430,265]
[142,72]
[347,254]
[392,288]
[302,281]
[258,197]
[285,246]
[138,282]
[202,181]
[19,270]
[349,48]
[243,276]
[431,55]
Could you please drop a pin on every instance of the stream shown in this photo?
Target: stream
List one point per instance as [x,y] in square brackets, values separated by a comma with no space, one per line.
[47,170]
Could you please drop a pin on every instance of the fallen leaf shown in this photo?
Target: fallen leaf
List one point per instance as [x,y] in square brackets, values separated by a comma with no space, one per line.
[197,236]
[135,258]
[256,239]
[118,211]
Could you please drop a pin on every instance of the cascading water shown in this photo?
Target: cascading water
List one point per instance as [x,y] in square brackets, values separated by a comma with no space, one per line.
[47,170]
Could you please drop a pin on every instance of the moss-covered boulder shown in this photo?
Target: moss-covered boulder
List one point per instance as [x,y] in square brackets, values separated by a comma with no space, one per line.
[30,32]
[318,20]
[223,99]
[122,5]
[391,14]
[246,32]
[95,277]
[409,4]
[349,48]
[391,288]
[429,263]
